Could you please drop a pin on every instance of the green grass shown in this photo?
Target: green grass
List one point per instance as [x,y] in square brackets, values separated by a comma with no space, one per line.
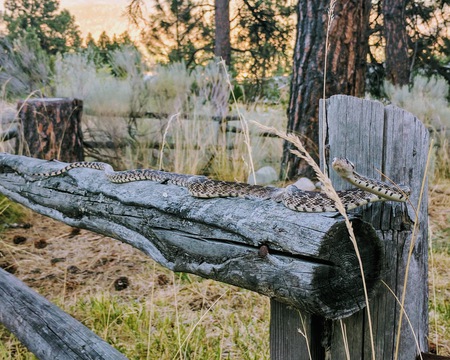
[142,331]
[10,212]
[145,330]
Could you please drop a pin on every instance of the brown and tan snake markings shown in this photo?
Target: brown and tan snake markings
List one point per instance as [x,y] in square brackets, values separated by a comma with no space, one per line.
[367,190]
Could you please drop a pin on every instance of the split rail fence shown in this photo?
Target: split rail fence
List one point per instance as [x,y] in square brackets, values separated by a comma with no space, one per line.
[305,262]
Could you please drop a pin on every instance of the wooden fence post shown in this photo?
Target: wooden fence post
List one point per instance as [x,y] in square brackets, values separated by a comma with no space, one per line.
[394,142]
[51,129]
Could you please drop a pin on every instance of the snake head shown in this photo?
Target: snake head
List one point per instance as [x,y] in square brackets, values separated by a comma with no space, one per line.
[344,167]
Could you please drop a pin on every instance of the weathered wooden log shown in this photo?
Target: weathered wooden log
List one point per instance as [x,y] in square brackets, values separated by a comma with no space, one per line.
[51,129]
[395,142]
[47,331]
[302,259]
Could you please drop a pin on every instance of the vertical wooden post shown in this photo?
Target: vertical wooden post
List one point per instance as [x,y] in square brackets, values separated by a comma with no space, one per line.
[394,142]
[51,129]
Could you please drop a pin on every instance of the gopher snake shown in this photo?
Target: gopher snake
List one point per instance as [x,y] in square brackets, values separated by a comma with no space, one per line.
[368,190]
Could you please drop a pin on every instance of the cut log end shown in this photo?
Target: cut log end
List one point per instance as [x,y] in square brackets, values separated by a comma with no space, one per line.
[340,285]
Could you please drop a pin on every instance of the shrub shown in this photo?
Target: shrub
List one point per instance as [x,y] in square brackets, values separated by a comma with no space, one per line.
[24,66]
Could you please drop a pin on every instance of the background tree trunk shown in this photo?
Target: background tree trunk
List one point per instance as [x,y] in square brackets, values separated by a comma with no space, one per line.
[222,36]
[345,75]
[395,32]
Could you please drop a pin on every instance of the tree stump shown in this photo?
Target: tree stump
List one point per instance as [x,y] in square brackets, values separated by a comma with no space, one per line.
[51,129]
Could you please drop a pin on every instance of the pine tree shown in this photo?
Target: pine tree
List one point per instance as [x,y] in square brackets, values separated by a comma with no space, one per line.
[56,30]
[180,30]
[104,41]
[90,41]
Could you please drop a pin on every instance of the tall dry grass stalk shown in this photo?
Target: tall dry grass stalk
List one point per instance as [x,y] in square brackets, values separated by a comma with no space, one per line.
[243,121]
[332,194]
[344,339]
[433,288]
[151,313]
[324,95]
[330,191]
[177,317]
[161,152]
[303,332]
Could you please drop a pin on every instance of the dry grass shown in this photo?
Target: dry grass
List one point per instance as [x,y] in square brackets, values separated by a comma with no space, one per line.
[84,286]
[439,267]
[195,145]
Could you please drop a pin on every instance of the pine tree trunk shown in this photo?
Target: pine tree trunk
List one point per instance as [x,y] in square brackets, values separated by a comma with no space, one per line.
[395,33]
[346,65]
[222,37]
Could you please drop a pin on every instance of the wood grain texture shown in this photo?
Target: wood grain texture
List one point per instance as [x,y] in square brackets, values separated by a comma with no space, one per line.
[396,143]
[308,260]
[47,331]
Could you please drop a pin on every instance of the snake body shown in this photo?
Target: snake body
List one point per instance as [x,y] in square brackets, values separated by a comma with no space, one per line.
[368,190]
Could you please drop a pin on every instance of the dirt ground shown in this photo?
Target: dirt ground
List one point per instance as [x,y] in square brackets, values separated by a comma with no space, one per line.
[60,261]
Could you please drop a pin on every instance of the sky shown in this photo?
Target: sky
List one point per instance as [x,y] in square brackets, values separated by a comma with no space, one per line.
[97,15]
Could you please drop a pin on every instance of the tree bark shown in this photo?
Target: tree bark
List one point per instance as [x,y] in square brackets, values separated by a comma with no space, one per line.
[396,36]
[222,30]
[51,129]
[346,66]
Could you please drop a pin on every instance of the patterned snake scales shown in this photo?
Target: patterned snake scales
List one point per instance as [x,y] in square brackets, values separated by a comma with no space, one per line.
[368,190]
